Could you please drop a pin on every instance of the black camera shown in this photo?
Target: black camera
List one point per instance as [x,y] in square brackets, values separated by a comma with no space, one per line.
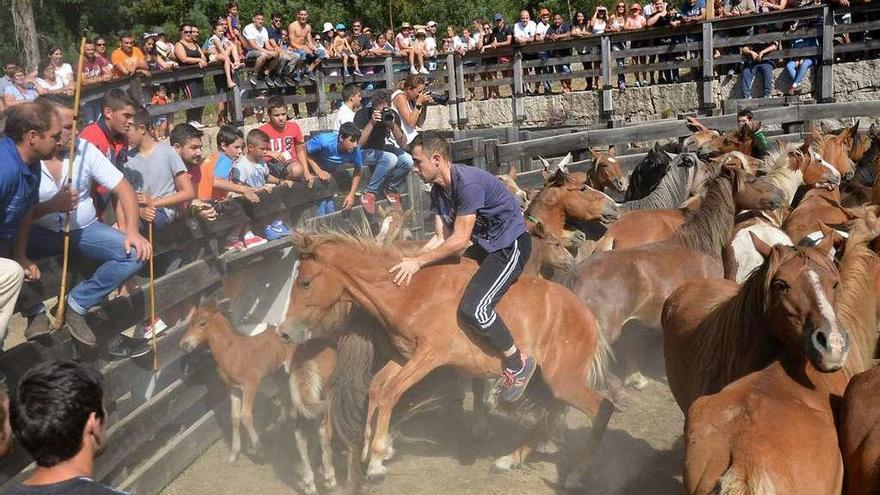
[438,98]
[219,206]
[387,115]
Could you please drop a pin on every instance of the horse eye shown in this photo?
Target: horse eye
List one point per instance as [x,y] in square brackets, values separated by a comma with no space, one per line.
[780,285]
[203,322]
[304,284]
[835,285]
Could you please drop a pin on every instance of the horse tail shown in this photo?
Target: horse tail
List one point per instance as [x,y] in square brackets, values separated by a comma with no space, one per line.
[350,384]
[596,379]
[738,481]
[306,390]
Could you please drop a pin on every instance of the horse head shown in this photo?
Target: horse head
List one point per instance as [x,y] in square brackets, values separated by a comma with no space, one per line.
[550,251]
[203,321]
[751,193]
[648,173]
[740,139]
[836,149]
[801,285]
[606,171]
[562,199]
[509,181]
[555,172]
[816,171]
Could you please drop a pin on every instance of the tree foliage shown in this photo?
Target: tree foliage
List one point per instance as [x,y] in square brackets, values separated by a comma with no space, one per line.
[62,22]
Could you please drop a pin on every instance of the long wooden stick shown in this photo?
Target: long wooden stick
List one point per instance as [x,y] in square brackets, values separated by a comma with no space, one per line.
[153,301]
[71,156]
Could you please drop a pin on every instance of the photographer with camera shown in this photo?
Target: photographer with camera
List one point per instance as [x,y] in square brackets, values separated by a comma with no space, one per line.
[380,134]
[411,103]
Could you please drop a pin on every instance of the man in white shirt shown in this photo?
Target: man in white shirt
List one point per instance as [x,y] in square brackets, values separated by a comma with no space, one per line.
[431,45]
[256,39]
[540,33]
[523,33]
[352,94]
[120,252]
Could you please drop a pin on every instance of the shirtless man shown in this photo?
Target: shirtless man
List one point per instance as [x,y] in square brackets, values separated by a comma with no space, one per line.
[302,43]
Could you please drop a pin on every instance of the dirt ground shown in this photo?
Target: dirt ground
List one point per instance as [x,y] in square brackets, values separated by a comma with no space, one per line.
[641,454]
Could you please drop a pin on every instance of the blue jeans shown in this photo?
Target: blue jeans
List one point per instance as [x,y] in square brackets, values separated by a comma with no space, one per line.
[797,74]
[749,73]
[389,168]
[326,206]
[97,242]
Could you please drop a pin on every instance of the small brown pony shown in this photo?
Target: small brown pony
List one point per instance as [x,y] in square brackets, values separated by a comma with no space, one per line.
[243,362]
[836,149]
[606,172]
[741,139]
[630,285]
[547,321]
[735,439]
[820,206]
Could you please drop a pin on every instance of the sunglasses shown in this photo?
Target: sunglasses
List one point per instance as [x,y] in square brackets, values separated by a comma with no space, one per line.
[100,44]
[186,32]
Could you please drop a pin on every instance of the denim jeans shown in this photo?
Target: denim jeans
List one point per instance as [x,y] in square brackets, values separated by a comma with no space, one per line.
[96,242]
[797,74]
[749,73]
[326,206]
[389,168]
[544,69]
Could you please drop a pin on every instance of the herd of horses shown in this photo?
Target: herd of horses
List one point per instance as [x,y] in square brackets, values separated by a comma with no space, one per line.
[757,278]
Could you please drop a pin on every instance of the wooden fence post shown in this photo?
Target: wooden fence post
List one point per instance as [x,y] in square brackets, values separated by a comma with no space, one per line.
[323,107]
[136,87]
[236,109]
[389,74]
[462,92]
[607,101]
[826,79]
[519,113]
[707,78]
[452,93]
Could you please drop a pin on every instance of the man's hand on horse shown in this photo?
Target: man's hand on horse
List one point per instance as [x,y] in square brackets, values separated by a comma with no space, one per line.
[405,270]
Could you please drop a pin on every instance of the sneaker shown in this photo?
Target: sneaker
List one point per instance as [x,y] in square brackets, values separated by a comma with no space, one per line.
[413,70]
[125,347]
[38,326]
[394,199]
[515,383]
[270,82]
[79,329]
[157,326]
[254,80]
[234,244]
[645,83]
[424,71]
[251,240]
[277,230]
[198,125]
[621,86]
[637,84]
[368,202]
[311,75]
[358,73]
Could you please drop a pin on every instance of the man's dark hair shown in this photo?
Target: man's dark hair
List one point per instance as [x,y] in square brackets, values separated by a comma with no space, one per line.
[275,15]
[256,136]
[380,96]
[431,145]
[745,113]
[230,5]
[26,117]
[143,118]
[57,100]
[349,130]
[350,90]
[413,81]
[228,134]
[258,12]
[182,133]
[275,101]
[117,99]
[52,405]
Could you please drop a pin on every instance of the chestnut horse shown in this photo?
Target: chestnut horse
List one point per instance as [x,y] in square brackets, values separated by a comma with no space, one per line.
[820,206]
[630,285]
[547,321]
[244,361]
[606,172]
[741,139]
[799,454]
[836,149]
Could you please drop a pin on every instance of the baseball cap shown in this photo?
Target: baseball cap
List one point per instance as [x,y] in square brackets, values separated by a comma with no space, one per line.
[327,27]
[404,25]
[340,27]
[158,30]
[544,12]
[431,23]
[498,17]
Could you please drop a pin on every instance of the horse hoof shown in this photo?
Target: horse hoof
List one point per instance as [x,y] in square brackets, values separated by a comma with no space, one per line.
[376,472]
[330,482]
[636,381]
[504,464]
[310,488]
[232,457]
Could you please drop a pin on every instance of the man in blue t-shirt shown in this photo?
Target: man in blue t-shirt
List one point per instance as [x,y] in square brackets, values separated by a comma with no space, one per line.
[473,205]
[328,153]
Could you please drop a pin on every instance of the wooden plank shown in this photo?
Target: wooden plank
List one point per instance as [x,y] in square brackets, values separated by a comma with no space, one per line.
[707,85]
[452,104]
[158,471]
[607,101]
[826,78]
[519,111]
[462,94]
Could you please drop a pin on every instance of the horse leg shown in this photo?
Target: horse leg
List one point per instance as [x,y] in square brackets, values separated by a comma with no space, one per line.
[536,436]
[572,388]
[235,415]
[632,345]
[302,445]
[249,391]
[376,386]
[411,373]
[325,435]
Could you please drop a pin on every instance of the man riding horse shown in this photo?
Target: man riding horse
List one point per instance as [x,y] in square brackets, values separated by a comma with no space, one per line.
[472,204]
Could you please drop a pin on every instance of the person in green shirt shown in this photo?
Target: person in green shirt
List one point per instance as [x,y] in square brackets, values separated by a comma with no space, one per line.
[760,146]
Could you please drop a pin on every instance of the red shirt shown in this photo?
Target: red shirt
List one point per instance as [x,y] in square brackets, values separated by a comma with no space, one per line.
[98,134]
[284,141]
[94,68]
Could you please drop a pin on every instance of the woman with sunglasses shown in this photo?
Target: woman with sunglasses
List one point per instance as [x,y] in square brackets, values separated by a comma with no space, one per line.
[189,52]
[21,90]
[636,21]
[615,25]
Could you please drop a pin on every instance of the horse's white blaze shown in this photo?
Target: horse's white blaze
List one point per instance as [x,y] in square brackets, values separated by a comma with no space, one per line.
[824,163]
[835,340]
[817,236]
[747,257]
[383,231]
[612,159]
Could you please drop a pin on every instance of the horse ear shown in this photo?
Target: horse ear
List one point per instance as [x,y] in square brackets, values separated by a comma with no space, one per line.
[824,128]
[830,238]
[853,131]
[224,305]
[563,164]
[762,247]
[512,172]
[538,230]
[808,143]
[383,212]
[612,150]
[303,243]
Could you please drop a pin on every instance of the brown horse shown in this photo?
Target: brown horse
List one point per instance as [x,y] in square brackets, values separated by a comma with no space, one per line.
[561,199]
[820,206]
[755,450]
[630,285]
[606,172]
[244,361]
[741,139]
[547,321]
[836,149]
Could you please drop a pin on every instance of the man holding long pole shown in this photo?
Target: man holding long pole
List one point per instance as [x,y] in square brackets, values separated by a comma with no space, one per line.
[120,254]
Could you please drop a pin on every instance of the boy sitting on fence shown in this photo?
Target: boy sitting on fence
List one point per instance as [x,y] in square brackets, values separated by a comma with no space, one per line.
[341,48]
[286,157]
[251,169]
[330,152]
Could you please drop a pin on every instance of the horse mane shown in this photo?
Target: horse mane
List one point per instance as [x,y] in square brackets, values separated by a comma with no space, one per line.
[778,173]
[708,228]
[820,140]
[366,245]
[670,192]
[733,328]
[857,304]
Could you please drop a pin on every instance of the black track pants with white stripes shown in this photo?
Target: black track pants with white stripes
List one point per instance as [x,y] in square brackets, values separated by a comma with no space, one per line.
[497,272]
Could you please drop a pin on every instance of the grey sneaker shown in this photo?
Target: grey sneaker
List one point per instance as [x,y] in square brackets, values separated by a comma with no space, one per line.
[515,383]
[79,329]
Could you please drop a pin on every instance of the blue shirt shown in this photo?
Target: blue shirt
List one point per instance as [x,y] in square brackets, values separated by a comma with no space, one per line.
[324,149]
[474,191]
[222,166]
[692,11]
[19,188]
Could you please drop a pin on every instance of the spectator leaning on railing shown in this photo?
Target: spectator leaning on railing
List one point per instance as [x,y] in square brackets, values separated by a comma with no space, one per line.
[328,153]
[559,30]
[20,91]
[120,253]
[63,69]
[189,53]
[128,59]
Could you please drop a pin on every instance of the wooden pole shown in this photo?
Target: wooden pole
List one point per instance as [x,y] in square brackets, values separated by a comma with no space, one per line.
[153,301]
[71,156]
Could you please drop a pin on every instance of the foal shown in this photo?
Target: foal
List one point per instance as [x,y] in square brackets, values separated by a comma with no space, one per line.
[244,361]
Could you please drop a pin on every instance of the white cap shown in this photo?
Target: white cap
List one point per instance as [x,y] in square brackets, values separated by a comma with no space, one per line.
[431,23]
[327,27]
